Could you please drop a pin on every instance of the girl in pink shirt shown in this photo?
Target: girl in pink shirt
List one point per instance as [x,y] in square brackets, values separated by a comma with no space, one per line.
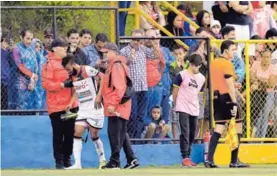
[186,88]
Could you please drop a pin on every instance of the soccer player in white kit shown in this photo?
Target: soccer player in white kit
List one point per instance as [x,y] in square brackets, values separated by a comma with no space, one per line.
[91,111]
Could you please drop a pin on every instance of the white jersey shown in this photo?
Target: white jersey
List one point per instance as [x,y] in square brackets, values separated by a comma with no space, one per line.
[86,88]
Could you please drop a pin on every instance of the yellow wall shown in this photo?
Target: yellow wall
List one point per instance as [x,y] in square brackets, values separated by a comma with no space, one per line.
[249,153]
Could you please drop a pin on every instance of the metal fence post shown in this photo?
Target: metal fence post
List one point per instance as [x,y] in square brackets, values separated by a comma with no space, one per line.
[247,70]
[54,22]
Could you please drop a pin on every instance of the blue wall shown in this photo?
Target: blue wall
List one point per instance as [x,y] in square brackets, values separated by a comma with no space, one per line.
[27,143]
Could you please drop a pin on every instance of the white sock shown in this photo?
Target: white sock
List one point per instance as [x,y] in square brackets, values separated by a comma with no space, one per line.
[77,150]
[99,149]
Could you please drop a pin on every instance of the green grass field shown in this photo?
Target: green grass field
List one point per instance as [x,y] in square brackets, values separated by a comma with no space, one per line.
[255,170]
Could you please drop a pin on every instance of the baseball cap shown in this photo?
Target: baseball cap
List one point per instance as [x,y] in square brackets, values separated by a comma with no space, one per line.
[195,59]
[215,23]
[58,43]
[48,32]
[110,46]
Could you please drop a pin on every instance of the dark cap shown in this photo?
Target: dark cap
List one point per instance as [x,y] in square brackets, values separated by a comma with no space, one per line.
[58,43]
[195,59]
[48,32]
[271,33]
[110,46]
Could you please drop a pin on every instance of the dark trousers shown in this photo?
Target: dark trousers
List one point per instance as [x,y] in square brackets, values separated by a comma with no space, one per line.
[63,132]
[188,125]
[4,96]
[118,137]
[123,16]
[220,16]
[138,114]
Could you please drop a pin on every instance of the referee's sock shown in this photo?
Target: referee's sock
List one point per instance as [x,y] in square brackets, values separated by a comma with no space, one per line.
[235,153]
[213,143]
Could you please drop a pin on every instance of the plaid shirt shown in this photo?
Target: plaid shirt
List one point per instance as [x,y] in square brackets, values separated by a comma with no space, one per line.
[137,66]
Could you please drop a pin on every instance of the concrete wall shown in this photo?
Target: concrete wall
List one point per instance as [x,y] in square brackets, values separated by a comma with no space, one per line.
[27,143]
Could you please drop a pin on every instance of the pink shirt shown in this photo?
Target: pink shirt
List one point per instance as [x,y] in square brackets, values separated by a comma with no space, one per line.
[261,74]
[189,87]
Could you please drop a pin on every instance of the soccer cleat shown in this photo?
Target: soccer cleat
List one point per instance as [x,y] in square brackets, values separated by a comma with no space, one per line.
[210,164]
[132,165]
[102,164]
[188,163]
[75,166]
[239,165]
[110,165]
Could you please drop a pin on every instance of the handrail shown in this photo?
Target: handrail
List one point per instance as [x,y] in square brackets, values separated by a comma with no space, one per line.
[193,24]
[162,28]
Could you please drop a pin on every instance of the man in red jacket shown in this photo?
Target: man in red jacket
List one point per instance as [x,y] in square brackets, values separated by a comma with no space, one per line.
[59,101]
[117,111]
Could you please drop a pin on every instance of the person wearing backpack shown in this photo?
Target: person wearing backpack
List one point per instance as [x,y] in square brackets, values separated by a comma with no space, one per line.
[117,91]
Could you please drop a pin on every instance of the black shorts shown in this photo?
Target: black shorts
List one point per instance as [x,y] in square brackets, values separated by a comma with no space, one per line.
[222,109]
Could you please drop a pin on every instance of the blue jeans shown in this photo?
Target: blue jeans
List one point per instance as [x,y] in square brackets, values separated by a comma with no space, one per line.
[269,108]
[123,16]
[154,98]
[138,114]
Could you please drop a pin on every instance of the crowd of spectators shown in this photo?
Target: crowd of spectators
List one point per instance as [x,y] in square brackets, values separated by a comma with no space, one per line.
[154,64]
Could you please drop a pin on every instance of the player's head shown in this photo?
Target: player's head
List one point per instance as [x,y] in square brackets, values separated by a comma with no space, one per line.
[156,112]
[228,49]
[195,62]
[68,63]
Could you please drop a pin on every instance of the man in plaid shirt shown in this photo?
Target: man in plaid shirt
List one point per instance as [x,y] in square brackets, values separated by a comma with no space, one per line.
[136,55]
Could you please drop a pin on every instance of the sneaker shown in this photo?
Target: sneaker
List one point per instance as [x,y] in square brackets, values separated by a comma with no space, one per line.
[188,163]
[102,164]
[239,165]
[133,164]
[75,166]
[110,165]
[210,164]
[67,163]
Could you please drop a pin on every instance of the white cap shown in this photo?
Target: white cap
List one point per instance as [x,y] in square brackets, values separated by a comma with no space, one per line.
[215,23]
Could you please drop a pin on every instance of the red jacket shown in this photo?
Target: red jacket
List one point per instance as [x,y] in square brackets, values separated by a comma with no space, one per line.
[113,95]
[155,69]
[53,74]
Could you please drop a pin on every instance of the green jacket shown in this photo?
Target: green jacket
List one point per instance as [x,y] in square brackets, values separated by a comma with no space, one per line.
[174,69]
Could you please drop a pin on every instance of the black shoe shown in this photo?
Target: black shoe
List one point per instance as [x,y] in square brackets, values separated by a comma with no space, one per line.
[239,165]
[133,164]
[210,164]
[110,165]
[67,163]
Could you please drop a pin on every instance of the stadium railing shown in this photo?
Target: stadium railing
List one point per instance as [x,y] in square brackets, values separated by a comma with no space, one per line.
[259,107]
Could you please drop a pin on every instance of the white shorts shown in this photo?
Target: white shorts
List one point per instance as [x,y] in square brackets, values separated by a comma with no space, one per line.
[95,123]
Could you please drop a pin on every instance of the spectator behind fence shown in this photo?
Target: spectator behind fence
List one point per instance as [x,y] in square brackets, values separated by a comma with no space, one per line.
[85,38]
[137,54]
[123,16]
[157,128]
[154,72]
[220,12]
[175,27]
[59,102]
[265,74]
[73,42]
[115,86]
[203,19]
[93,52]
[166,83]
[26,59]
[262,20]
[215,29]
[5,72]
[228,33]
[273,6]
[48,39]
[38,47]
[271,34]
[238,17]
[153,10]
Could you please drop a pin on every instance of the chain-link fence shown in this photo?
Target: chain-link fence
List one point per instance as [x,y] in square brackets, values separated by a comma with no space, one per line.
[15,93]
[256,72]
[142,126]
